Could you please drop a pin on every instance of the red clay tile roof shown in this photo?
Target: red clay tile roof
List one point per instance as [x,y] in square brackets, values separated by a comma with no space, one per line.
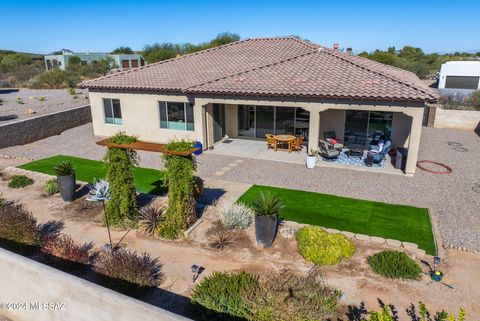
[275,67]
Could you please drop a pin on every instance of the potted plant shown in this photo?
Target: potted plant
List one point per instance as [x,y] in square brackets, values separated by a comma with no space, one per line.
[312,158]
[267,207]
[66,180]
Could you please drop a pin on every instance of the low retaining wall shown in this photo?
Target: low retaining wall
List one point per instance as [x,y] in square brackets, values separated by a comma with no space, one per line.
[33,291]
[27,131]
[457,119]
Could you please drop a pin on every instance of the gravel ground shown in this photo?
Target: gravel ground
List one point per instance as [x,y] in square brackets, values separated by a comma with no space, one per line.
[455,197]
[55,100]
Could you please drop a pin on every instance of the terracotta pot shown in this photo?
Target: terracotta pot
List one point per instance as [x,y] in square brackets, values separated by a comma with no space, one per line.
[265,229]
[66,185]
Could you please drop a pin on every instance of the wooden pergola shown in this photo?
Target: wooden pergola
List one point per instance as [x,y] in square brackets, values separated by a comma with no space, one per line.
[146,146]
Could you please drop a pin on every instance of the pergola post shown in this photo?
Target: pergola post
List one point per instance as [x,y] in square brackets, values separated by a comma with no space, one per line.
[313,130]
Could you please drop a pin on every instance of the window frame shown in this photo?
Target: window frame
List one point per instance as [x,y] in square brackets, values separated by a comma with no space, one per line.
[164,123]
[457,80]
[112,110]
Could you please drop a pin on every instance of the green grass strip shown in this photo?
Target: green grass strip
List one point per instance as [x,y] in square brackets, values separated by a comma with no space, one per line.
[399,222]
[147,180]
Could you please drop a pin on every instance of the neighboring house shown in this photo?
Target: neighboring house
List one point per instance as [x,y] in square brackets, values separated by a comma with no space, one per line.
[459,78]
[123,61]
[252,87]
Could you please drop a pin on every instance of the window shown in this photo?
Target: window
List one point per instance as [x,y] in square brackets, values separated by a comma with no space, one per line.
[113,112]
[177,116]
[462,82]
[134,63]
[125,64]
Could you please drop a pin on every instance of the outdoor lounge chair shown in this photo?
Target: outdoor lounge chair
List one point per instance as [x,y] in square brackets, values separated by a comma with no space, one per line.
[271,142]
[379,157]
[327,151]
[378,137]
[332,135]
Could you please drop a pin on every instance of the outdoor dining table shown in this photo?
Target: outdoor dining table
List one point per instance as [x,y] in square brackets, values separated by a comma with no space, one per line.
[288,139]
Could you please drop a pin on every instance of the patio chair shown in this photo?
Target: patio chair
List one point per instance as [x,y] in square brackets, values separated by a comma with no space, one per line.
[271,142]
[296,145]
[379,157]
[378,137]
[329,135]
[327,151]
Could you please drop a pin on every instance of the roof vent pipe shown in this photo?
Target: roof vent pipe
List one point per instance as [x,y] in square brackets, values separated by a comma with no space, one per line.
[336,45]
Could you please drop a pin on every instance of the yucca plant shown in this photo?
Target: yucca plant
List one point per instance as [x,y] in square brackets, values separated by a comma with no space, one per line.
[267,204]
[151,219]
[64,168]
[66,180]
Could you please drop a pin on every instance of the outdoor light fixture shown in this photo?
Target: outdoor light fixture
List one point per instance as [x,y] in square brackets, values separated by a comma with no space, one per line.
[196,271]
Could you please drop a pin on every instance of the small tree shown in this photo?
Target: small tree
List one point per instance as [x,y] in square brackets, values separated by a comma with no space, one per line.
[122,208]
[74,60]
[123,50]
[103,66]
[180,172]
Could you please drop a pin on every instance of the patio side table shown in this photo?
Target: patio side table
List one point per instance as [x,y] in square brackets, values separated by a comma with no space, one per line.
[355,150]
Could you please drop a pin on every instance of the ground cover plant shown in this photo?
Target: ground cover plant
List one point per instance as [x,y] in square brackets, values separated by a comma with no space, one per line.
[237,216]
[400,222]
[64,247]
[18,225]
[120,163]
[394,265]
[147,180]
[51,187]
[20,181]
[151,219]
[323,248]
[179,173]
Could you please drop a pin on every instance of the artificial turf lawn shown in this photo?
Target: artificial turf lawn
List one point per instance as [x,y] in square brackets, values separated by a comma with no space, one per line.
[147,180]
[399,222]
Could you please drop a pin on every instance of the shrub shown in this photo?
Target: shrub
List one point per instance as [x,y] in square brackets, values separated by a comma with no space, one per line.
[237,216]
[179,174]
[221,241]
[19,181]
[320,247]
[64,168]
[127,265]
[267,204]
[225,293]
[64,247]
[72,91]
[55,79]
[122,207]
[18,225]
[151,219]
[20,101]
[394,265]
[42,98]
[285,296]
[51,187]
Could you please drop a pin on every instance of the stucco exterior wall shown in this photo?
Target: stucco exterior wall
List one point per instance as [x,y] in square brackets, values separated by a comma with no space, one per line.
[141,117]
[25,281]
[231,120]
[457,119]
[401,125]
[333,120]
[27,131]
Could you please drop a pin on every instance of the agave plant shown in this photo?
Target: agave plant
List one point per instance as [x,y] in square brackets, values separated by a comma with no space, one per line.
[222,240]
[64,168]
[151,219]
[267,204]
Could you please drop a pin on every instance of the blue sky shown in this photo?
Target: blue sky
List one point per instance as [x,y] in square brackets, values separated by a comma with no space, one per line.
[87,25]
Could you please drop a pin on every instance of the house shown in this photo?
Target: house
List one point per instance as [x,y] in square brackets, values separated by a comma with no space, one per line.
[123,61]
[252,87]
[459,78]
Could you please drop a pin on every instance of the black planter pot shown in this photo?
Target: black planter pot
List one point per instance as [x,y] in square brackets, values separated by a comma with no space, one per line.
[265,229]
[66,185]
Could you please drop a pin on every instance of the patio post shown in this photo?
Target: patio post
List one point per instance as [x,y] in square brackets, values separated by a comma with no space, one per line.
[414,139]
[313,130]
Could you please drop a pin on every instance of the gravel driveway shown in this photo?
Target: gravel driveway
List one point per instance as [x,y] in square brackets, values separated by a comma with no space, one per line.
[455,197]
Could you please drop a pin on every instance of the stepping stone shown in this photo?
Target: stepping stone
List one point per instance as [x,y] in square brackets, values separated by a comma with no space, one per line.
[394,243]
[377,239]
[410,246]
[232,164]
[362,237]
[350,235]
[226,168]
[219,173]
[239,161]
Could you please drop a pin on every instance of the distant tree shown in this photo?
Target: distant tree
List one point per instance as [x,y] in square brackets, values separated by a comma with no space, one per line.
[55,79]
[392,50]
[74,60]
[103,66]
[123,50]
[384,57]
[409,52]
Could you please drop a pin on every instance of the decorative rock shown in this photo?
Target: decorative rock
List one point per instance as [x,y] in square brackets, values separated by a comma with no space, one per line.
[348,234]
[362,237]
[420,253]
[332,230]
[394,243]
[377,239]
[410,246]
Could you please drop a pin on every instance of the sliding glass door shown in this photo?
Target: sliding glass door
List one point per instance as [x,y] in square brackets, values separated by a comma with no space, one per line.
[257,121]
[361,125]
